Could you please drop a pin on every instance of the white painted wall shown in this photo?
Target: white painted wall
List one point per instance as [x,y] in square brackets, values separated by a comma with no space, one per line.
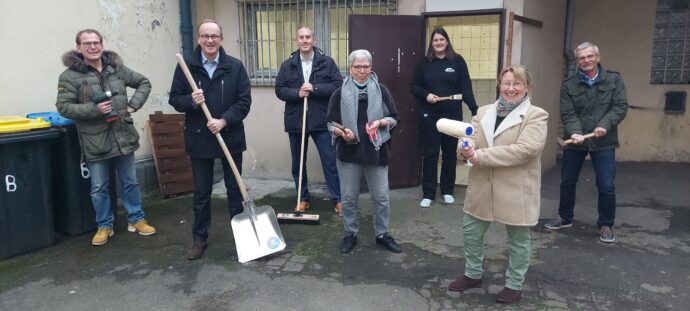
[541,51]
[36,33]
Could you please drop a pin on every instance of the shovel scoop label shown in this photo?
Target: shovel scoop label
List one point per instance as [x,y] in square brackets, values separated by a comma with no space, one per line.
[273,243]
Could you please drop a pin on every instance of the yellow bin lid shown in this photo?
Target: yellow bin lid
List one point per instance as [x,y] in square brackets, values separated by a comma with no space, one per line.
[13,124]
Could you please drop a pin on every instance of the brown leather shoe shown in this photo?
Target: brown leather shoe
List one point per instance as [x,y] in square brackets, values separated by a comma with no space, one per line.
[508,295]
[196,251]
[463,283]
[302,207]
[339,209]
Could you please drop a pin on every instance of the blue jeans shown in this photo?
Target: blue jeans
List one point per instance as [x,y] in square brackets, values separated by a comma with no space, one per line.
[604,163]
[322,140]
[100,194]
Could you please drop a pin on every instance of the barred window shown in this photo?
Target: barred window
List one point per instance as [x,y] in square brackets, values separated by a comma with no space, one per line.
[268,30]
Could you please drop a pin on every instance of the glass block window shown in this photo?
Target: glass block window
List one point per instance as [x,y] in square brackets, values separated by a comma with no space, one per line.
[671,52]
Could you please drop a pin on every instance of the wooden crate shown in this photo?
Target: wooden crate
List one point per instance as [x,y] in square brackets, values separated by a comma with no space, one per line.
[172,164]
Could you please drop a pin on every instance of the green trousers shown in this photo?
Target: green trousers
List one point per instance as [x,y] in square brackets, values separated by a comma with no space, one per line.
[519,243]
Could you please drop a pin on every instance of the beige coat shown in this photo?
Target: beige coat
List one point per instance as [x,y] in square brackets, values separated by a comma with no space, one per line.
[504,186]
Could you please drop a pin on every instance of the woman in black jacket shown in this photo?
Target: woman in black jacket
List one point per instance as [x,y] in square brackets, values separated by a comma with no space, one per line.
[441,73]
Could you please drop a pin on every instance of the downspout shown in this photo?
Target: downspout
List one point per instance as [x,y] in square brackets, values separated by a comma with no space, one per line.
[568,36]
[186,28]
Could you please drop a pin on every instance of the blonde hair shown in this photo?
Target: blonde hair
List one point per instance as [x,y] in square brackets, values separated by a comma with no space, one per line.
[519,71]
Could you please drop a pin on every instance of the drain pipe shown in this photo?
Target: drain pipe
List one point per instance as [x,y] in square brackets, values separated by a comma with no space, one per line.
[186,28]
[568,36]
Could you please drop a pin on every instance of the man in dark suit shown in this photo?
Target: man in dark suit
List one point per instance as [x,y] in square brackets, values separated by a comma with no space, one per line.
[224,86]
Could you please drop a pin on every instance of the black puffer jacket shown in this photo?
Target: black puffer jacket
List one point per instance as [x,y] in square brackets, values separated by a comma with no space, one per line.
[228,96]
[76,87]
[325,77]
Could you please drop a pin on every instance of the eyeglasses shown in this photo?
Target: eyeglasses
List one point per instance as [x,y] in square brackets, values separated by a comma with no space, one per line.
[513,84]
[586,57]
[212,37]
[361,67]
[92,43]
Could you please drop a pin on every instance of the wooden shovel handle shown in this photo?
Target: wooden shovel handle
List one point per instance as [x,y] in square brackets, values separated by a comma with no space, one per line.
[586,136]
[301,151]
[238,178]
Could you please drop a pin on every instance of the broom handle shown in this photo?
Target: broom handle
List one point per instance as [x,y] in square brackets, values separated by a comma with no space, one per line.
[238,178]
[301,151]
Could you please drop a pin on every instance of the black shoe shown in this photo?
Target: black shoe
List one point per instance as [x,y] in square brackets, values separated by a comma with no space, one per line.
[196,251]
[387,241]
[348,243]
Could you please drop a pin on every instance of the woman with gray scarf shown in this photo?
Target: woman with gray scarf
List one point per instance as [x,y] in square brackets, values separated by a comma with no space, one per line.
[360,117]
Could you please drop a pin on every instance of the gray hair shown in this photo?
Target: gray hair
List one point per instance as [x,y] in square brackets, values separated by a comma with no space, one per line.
[358,54]
[585,45]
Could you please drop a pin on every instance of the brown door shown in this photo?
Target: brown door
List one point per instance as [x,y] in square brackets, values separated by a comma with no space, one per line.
[396,43]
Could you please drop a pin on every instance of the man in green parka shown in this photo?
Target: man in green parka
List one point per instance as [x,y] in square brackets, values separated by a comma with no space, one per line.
[92,92]
[593,100]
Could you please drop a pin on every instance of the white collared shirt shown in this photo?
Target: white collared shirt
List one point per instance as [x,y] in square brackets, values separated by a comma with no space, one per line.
[306,66]
[210,65]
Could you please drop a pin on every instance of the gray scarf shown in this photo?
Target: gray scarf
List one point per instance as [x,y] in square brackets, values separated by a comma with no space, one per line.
[349,98]
[504,107]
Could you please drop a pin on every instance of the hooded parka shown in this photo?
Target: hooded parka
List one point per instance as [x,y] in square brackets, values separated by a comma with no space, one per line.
[78,85]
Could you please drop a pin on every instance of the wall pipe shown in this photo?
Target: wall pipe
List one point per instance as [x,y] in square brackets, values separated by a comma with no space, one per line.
[567,38]
[186,28]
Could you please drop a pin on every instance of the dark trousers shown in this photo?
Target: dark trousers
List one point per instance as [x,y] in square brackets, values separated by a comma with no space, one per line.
[432,140]
[202,170]
[604,163]
[322,140]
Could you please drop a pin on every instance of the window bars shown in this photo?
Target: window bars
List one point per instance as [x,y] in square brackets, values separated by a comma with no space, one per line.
[268,30]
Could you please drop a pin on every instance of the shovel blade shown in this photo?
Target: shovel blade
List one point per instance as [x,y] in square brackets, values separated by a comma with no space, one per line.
[257,233]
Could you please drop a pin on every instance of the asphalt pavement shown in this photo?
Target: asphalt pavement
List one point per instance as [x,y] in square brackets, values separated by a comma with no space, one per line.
[647,268]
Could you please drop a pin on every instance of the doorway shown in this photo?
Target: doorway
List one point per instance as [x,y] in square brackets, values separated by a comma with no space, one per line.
[477,38]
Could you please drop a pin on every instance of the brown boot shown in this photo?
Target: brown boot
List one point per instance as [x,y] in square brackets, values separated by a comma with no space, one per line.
[196,251]
[463,283]
[302,207]
[508,295]
[339,209]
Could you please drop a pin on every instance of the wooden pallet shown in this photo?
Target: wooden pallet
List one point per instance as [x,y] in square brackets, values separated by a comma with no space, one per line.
[172,164]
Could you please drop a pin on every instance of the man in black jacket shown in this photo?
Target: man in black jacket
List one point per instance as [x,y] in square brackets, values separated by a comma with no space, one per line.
[309,73]
[224,87]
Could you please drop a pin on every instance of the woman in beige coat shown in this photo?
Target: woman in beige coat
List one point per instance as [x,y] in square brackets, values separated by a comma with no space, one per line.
[504,183]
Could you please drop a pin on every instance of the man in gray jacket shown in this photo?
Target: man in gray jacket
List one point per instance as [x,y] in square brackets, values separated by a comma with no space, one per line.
[106,130]
[592,101]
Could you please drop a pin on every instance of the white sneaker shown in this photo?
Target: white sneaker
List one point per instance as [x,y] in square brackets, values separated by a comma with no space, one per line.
[448,199]
[425,203]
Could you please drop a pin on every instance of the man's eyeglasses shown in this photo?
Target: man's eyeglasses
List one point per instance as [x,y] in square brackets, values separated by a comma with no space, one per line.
[586,57]
[212,37]
[93,43]
[361,67]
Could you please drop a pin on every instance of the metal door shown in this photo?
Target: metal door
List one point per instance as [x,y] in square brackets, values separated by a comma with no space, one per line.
[396,43]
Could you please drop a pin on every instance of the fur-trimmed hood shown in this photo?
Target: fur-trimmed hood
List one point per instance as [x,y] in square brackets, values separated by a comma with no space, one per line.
[75,61]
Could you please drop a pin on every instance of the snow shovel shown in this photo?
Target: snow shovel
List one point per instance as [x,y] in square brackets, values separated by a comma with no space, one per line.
[256,229]
[299,215]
